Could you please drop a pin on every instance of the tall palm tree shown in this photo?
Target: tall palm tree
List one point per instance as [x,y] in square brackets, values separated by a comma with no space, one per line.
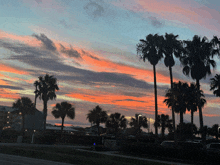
[63,109]
[151,49]
[97,116]
[215,84]
[176,97]
[163,122]
[24,106]
[197,63]
[172,47]
[46,88]
[139,121]
[116,121]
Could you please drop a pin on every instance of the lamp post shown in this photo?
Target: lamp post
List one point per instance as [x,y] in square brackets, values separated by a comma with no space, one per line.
[139,129]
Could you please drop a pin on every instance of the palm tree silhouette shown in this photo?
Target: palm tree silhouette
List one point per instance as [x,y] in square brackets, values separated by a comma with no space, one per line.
[46,88]
[215,84]
[194,97]
[163,122]
[172,47]
[36,83]
[116,121]
[97,116]
[151,49]
[24,106]
[197,63]
[63,109]
[176,97]
[138,122]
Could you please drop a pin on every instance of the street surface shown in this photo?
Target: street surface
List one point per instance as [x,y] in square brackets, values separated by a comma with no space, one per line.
[6,159]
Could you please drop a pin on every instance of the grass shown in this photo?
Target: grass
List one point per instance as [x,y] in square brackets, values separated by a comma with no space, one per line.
[69,155]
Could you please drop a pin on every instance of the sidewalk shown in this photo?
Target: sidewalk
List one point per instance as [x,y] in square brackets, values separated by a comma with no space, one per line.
[82,148]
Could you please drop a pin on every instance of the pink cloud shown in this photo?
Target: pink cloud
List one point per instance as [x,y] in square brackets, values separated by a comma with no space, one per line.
[191,13]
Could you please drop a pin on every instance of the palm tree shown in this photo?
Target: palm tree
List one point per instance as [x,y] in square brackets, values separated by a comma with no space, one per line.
[171,47]
[63,109]
[24,106]
[215,84]
[139,121]
[36,83]
[163,122]
[46,88]
[194,97]
[97,116]
[176,98]
[197,63]
[116,121]
[151,49]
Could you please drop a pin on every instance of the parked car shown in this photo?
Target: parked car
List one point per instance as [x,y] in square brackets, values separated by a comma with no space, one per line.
[168,144]
[213,148]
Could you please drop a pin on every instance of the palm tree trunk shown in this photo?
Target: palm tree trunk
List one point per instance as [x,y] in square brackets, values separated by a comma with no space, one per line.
[155,94]
[200,115]
[35,99]
[22,129]
[173,114]
[62,125]
[181,125]
[192,113]
[98,128]
[45,113]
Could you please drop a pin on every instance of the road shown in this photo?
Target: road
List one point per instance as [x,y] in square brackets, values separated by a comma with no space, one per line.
[6,159]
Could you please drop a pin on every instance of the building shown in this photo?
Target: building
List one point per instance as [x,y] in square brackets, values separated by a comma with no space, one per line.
[11,120]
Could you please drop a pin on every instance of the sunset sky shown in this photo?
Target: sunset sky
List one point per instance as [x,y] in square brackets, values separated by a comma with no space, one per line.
[90,47]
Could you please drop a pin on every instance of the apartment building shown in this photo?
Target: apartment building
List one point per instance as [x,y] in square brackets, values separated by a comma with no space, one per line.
[10,120]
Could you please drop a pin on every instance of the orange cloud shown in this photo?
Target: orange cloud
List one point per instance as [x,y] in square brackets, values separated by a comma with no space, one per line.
[104,65]
[146,102]
[29,40]
[211,115]
[6,93]
[4,68]
[66,125]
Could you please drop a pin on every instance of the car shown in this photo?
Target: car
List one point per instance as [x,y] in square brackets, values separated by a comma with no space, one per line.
[168,144]
[213,147]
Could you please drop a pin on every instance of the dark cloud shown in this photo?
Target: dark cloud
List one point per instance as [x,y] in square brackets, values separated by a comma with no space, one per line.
[130,100]
[47,43]
[85,53]
[70,52]
[38,1]
[94,9]
[48,62]
[11,87]
[154,21]
[65,24]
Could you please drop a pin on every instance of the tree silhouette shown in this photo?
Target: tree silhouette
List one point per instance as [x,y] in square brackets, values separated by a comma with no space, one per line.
[163,122]
[97,116]
[63,109]
[116,121]
[138,121]
[172,47]
[151,49]
[176,97]
[215,84]
[197,63]
[45,90]
[194,97]
[24,106]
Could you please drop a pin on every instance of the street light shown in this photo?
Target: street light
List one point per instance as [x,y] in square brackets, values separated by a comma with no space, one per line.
[139,115]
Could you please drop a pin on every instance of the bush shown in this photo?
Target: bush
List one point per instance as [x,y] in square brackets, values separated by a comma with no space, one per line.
[9,135]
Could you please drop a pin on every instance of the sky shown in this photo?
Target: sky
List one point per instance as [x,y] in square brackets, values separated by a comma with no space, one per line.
[90,47]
